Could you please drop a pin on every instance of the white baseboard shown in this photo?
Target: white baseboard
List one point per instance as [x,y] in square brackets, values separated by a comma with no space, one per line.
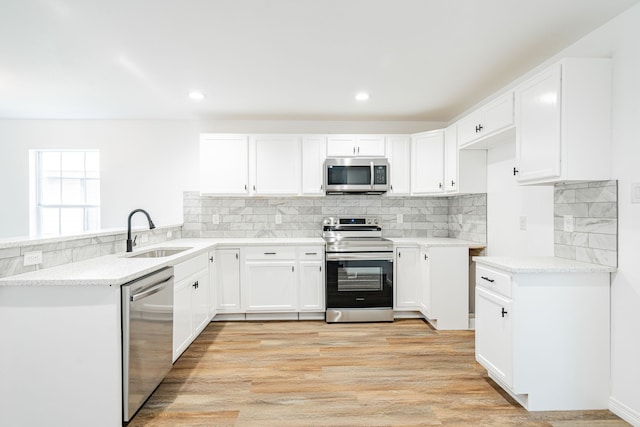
[624,412]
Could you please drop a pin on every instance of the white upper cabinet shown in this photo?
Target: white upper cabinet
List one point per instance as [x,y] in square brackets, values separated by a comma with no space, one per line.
[224,164]
[465,171]
[277,165]
[480,128]
[356,145]
[563,123]
[427,162]
[314,153]
[399,155]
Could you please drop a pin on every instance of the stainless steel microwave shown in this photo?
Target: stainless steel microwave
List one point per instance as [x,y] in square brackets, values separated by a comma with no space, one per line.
[356,175]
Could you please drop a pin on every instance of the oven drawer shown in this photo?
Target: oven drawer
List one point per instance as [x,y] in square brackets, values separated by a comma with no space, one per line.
[270,253]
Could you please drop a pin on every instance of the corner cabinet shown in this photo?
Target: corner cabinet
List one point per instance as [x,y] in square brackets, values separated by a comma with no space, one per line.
[427,163]
[465,171]
[563,123]
[480,128]
[544,337]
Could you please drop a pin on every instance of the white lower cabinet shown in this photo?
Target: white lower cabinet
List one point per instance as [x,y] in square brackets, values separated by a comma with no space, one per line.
[311,279]
[407,279]
[445,286]
[544,337]
[269,281]
[227,270]
[190,302]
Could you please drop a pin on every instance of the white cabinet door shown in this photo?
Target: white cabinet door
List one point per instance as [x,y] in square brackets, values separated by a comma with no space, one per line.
[224,164]
[408,279]
[270,286]
[538,131]
[228,280]
[399,155]
[451,159]
[494,339]
[486,122]
[468,128]
[356,145]
[370,146]
[311,286]
[182,320]
[341,145]
[427,162]
[314,153]
[200,301]
[277,164]
[213,285]
[425,288]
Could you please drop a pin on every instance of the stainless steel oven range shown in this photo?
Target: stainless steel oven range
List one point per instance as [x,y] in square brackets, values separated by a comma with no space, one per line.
[359,271]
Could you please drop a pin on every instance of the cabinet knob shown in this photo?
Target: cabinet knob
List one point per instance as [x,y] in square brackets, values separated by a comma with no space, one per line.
[503,312]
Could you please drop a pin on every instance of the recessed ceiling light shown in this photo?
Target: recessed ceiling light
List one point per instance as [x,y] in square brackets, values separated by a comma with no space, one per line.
[362,96]
[196,95]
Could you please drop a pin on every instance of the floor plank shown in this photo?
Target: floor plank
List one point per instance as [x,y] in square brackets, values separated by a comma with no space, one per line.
[310,373]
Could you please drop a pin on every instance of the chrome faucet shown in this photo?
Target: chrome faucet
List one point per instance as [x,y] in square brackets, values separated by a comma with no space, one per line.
[132,243]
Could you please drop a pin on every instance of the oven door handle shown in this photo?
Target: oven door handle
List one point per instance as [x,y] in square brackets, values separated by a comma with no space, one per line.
[364,256]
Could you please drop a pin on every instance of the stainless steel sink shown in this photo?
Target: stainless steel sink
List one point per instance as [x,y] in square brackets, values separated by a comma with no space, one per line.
[158,253]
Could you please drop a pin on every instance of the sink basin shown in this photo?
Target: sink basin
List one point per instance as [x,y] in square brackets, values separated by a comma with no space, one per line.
[158,253]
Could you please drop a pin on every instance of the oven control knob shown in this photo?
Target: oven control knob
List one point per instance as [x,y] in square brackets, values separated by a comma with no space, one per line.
[375,221]
[369,221]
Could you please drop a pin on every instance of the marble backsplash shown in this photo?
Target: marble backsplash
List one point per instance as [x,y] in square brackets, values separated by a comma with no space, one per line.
[64,250]
[594,207]
[463,217]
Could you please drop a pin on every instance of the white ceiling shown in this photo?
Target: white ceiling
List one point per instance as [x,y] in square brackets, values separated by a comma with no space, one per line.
[276,59]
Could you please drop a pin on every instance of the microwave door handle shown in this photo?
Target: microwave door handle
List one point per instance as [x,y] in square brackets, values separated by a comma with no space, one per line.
[372,177]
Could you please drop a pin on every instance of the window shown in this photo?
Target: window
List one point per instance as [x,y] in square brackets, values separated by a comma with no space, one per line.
[65,191]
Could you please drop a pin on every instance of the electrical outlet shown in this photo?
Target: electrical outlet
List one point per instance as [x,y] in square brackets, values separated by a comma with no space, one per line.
[278,218]
[400,219]
[568,223]
[32,258]
[169,234]
[215,219]
[144,238]
[523,223]
[459,218]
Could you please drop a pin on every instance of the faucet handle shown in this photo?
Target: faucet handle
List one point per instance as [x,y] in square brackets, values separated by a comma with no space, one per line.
[134,240]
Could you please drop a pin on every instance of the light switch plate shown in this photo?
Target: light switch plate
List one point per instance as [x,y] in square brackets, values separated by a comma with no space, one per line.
[215,219]
[568,223]
[278,218]
[635,192]
[523,223]
[32,258]
[399,219]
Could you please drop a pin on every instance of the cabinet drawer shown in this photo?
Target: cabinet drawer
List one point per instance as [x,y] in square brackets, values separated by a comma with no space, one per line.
[311,253]
[268,252]
[494,280]
[189,267]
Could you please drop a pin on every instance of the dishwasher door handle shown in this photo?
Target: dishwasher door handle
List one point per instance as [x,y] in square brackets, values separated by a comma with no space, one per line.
[154,289]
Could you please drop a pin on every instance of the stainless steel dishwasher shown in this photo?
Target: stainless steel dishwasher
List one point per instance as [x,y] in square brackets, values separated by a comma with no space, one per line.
[147,337]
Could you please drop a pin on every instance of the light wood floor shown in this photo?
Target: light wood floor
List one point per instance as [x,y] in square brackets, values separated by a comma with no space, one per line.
[310,373]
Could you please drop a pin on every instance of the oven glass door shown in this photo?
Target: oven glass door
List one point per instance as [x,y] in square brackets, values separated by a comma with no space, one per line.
[359,283]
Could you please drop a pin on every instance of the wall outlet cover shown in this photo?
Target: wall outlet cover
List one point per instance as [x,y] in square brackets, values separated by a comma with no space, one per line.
[568,223]
[400,219]
[523,223]
[215,219]
[169,234]
[32,258]
[278,218]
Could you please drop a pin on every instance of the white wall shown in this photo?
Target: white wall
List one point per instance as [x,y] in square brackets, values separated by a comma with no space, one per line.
[145,164]
[507,202]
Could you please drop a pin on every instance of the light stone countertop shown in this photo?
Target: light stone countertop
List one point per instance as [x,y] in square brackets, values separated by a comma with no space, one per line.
[118,269]
[542,264]
[436,241]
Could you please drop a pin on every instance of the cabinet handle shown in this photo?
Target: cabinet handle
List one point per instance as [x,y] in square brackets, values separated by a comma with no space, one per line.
[480,127]
[269,253]
[211,259]
[254,188]
[515,171]
[358,150]
[503,312]
[311,253]
[236,256]
[321,187]
[425,257]
[453,183]
[354,150]
[487,279]
[245,187]
[391,187]
[320,268]
[292,268]
[439,185]
[195,285]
